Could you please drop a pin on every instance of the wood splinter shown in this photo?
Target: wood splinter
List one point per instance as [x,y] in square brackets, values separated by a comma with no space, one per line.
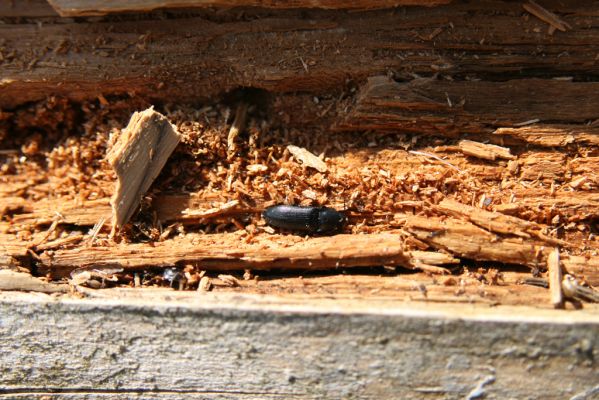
[485,151]
[546,16]
[138,156]
[555,279]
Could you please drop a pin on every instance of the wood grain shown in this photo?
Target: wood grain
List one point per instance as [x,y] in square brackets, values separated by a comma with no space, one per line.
[478,40]
[445,107]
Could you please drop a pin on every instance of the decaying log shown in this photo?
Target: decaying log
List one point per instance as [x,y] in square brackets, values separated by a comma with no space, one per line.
[454,107]
[75,8]
[138,157]
[231,252]
[476,40]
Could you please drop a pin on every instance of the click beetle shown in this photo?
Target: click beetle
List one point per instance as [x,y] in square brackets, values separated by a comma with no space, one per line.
[305,219]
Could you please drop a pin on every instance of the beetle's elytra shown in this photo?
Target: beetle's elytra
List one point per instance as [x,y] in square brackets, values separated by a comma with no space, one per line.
[305,219]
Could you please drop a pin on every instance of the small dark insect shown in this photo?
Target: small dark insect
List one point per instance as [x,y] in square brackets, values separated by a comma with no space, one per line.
[174,277]
[305,219]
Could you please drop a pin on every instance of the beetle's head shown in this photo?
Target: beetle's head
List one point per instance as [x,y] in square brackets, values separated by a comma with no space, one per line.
[330,220]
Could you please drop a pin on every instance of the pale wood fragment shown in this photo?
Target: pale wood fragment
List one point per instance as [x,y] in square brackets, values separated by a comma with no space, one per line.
[307,158]
[212,212]
[73,8]
[485,151]
[69,240]
[555,279]
[138,157]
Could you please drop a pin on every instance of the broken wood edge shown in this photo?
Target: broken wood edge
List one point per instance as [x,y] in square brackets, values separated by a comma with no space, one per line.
[76,8]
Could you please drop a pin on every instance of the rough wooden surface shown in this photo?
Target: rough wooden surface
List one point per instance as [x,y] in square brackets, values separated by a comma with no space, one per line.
[250,347]
[95,7]
[446,107]
[232,252]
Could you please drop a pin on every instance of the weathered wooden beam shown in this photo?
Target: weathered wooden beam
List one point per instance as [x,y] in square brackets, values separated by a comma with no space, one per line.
[75,8]
[250,347]
[479,39]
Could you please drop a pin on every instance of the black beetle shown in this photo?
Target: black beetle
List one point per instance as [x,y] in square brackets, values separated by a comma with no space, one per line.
[305,219]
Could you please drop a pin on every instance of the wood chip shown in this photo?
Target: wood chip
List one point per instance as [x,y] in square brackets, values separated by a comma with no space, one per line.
[307,158]
[485,151]
[555,279]
[529,122]
[212,212]
[205,284]
[138,157]
[546,16]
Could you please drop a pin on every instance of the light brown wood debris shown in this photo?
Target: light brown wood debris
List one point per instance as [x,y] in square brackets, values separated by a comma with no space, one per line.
[138,157]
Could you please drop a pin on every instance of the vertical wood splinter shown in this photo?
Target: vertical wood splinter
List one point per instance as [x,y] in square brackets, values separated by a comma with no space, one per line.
[138,156]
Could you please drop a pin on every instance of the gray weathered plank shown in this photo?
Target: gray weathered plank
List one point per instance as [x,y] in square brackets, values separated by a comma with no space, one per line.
[231,346]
